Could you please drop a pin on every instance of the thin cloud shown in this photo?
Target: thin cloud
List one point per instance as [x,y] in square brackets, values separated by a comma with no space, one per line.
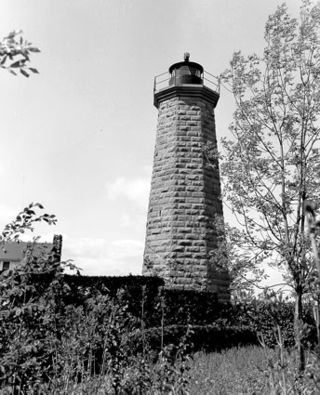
[96,256]
[136,190]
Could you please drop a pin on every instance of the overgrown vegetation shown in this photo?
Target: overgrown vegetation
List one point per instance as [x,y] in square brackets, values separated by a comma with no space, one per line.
[52,341]
[253,370]
[270,164]
[69,334]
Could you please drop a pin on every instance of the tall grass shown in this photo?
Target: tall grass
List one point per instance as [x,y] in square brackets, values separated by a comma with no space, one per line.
[247,370]
[233,371]
[252,370]
[55,340]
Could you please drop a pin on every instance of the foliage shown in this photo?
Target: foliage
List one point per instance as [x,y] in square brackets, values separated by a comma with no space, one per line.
[264,317]
[269,165]
[181,306]
[113,283]
[232,371]
[167,313]
[50,343]
[15,54]
[63,334]
[252,370]
[25,221]
[95,340]
[27,307]
[313,230]
[244,271]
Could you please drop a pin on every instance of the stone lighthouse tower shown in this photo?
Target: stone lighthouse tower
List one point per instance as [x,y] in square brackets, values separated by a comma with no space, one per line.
[185,218]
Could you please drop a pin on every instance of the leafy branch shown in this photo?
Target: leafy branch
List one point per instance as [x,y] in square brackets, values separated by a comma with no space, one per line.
[15,54]
[25,221]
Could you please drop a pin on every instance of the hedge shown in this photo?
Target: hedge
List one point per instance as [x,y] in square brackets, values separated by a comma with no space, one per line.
[229,324]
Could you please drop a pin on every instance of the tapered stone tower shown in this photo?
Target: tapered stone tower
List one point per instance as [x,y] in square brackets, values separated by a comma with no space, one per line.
[185,218]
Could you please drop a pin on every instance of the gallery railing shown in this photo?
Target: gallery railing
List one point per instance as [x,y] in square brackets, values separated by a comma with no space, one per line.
[165,80]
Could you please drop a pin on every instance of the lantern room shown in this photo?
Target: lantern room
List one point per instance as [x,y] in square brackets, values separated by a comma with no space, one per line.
[186,72]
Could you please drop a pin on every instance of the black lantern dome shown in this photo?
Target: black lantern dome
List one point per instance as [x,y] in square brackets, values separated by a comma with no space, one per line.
[186,72]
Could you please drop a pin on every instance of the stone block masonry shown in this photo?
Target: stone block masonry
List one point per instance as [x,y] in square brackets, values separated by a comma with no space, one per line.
[185,217]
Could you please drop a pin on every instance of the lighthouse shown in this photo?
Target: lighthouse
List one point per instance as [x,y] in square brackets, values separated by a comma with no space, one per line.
[185,216]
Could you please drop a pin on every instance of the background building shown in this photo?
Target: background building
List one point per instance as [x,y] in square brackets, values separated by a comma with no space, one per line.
[13,253]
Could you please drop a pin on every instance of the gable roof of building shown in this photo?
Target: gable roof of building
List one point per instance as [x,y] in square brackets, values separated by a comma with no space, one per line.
[15,251]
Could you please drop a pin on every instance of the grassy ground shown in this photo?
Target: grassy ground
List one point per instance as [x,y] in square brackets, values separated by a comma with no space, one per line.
[235,371]
[248,370]
[251,370]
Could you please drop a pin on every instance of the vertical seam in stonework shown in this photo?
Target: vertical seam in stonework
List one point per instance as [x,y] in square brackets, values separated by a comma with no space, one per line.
[173,178]
[148,251]
[210,138]
[202,140]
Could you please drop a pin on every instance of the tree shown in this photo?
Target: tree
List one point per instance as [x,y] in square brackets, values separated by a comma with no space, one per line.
[270,168]
[15,54]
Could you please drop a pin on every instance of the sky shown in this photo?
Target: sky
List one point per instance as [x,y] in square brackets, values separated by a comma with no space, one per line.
[79,137]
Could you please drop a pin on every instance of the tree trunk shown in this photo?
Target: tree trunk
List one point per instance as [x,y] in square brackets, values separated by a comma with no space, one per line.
[298,325]
[316,314]
[312,227]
